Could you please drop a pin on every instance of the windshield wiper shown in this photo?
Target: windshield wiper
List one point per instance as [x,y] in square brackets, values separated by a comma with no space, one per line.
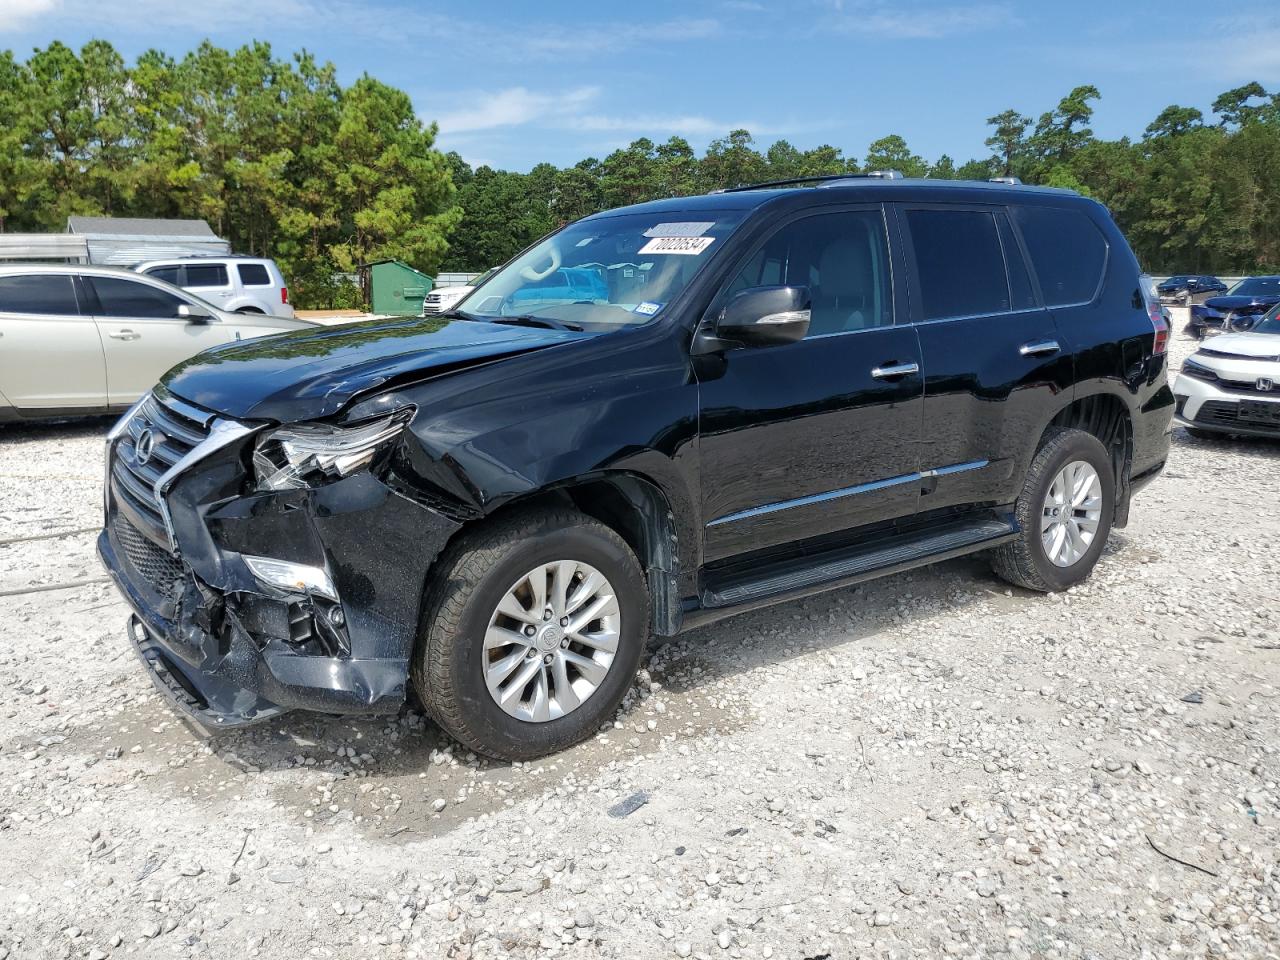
[529,320]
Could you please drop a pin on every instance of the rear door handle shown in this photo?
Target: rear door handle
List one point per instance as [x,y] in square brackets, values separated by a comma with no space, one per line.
[124,335]
[1039,348]
[891,371]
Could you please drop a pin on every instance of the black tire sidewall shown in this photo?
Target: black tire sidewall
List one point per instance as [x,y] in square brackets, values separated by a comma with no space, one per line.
[509,736]
[1081,446]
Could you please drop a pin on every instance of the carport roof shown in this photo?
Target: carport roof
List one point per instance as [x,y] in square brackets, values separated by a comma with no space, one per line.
[101,227]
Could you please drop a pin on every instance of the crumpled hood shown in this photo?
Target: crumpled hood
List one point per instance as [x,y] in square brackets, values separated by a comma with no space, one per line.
[307,374]
[1260,346]
[1224,303]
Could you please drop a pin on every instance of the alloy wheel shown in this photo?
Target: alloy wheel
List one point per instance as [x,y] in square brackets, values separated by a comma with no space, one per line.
[1072,512]
[551,640]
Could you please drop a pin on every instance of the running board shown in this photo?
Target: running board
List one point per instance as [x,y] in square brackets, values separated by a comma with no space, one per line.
[845,565]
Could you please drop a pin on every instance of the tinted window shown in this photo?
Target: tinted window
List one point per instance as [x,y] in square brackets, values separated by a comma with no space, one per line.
[254,275]
[167,274]
[960,266]
[1019,278]
[1257,287]
[38,293]
[205,275]
[843,258]
[128,298]
[1067,251]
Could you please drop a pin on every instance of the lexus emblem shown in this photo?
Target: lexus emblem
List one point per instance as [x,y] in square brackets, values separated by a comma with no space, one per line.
[144,446]
[1264,384]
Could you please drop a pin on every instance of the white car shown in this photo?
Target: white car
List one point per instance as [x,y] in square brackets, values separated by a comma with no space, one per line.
[1232,385]
[237,283]
[444,299]
[87,340]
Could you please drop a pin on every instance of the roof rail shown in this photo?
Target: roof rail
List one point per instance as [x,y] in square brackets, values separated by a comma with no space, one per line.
[1011,181]
[829,178]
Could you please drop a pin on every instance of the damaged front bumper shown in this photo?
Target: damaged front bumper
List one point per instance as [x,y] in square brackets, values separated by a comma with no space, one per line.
[227,645]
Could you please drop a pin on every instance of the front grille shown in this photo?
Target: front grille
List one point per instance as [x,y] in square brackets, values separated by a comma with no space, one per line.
[156,566]
[174,429]
[1210,352]
[1250,386]
[1225,413]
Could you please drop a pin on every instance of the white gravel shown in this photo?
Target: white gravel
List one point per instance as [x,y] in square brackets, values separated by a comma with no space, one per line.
[928,765]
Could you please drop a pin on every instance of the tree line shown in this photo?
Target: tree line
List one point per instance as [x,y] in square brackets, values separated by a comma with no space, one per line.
[284,161]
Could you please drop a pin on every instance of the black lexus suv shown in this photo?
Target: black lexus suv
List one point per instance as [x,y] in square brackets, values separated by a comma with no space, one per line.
[656,417]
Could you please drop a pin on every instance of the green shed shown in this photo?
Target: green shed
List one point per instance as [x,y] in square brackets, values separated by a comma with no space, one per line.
[396,288]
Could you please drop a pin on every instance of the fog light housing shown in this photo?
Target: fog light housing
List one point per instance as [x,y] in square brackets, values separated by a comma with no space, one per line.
[291,577]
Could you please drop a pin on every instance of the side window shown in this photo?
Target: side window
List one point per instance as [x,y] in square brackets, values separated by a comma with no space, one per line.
[205,275]
[128,298]
[959,262]
[1067,251]
[167,274]
[843,258]
[253,275]
[1019,279]
[46,293]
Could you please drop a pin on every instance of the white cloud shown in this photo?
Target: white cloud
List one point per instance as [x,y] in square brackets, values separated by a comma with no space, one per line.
[515,107]
[888,20]
[19,13]
[562,41]
[572,110]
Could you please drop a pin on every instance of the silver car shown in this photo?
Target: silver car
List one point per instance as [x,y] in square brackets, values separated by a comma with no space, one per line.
[84,340]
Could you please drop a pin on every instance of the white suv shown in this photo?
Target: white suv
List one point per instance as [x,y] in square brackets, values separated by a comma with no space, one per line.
[239,284]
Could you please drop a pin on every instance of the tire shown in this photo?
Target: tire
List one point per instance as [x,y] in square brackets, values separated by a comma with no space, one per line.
[451,661]
[1025,562]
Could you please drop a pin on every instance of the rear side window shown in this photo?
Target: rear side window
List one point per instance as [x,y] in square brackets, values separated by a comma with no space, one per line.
[167,274]
[253,275]
[205,275]
[959,262]
[39,293]
[130,298]
[1067,251]
[1019,279]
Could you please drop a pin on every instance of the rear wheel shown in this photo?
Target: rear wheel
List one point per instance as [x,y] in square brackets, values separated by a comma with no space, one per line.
[532,633]
[1065,512]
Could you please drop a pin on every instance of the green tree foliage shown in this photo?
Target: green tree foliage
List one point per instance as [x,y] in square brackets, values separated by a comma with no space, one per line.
[275,154]
[284,161]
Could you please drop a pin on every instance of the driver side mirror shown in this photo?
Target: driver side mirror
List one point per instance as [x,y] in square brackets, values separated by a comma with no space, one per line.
[194,314]
[764,316]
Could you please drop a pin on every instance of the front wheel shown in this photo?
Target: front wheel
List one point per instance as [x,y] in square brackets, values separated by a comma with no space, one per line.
[1065,512]
[532,633]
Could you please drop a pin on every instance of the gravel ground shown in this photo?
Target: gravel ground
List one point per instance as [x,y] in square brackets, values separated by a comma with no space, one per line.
[928,765]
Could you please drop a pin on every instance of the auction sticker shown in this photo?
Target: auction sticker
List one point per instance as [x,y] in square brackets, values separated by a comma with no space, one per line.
[683,228]
[684,246]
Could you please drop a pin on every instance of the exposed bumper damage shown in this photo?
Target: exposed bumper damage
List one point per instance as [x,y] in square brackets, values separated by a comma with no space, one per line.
[228,649]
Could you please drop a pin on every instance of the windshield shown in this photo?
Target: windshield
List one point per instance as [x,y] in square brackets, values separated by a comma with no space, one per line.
[1256,287]
[608,272]
[1270,323]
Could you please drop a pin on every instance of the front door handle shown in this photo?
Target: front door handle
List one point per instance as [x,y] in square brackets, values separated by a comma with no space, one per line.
[124,335]
[891,371]
[1039,348]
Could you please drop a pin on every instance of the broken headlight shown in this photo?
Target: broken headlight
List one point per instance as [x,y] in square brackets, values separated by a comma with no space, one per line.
[310,455]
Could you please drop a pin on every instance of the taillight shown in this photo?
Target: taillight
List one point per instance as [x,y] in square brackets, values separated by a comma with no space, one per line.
[284,294]
[1161,326]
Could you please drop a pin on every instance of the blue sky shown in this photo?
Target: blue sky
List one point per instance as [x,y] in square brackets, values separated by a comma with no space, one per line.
[515,83]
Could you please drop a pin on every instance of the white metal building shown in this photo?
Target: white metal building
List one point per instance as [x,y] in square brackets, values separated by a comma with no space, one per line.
[123,241]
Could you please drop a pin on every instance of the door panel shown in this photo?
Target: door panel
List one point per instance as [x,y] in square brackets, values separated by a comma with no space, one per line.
[995,361]
[142,336]
[805,439]
[50,355]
